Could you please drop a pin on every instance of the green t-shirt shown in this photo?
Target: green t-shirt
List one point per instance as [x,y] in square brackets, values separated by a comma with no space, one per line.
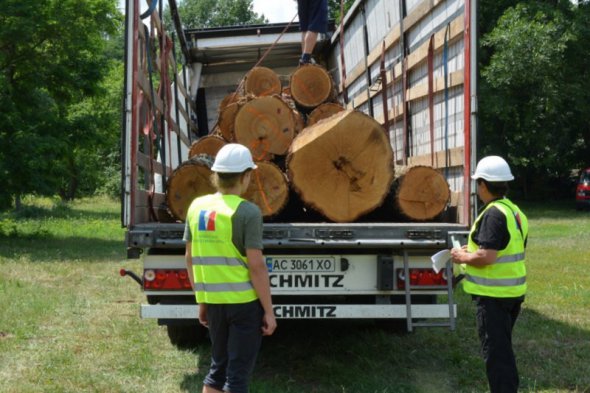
[246,228]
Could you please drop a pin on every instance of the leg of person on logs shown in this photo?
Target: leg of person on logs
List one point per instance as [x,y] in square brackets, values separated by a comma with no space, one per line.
[313,19]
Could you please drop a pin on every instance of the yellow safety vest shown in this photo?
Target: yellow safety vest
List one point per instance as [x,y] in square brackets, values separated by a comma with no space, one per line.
[220,270]
[506,277]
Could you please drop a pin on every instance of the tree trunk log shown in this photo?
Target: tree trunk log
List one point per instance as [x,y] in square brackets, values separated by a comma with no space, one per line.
[207,146]
[311,85]
[423,193]
[266,125]
[226,120]
[227,100]
[323,111]
[190,180]
[262,81]
[268,188]
[342,167]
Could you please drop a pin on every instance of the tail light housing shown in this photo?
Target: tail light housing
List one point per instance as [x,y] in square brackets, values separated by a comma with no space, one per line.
[166,280]
[422,278]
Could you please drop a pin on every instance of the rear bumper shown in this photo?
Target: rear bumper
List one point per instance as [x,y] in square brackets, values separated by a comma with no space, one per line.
[318,311]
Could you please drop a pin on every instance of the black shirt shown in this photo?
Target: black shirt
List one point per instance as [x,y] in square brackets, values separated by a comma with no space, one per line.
[491,232]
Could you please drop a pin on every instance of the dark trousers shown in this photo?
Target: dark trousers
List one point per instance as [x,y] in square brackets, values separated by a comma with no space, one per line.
[495,319]
[236,335]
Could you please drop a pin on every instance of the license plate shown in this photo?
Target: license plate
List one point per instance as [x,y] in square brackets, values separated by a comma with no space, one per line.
[301,264]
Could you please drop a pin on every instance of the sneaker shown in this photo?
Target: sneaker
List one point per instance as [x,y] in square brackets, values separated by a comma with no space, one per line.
[311,61]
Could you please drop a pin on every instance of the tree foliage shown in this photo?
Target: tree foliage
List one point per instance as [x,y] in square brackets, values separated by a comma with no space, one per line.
[213,13]
[51,59]
[534,99]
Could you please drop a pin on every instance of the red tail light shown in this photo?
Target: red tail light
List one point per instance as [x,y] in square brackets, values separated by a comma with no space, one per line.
[424,277]
[166,280]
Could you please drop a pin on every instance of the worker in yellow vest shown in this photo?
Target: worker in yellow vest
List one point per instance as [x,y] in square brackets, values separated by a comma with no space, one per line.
[226,267]
[495,273]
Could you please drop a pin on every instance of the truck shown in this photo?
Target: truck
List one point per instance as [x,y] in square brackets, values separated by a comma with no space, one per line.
[409,64]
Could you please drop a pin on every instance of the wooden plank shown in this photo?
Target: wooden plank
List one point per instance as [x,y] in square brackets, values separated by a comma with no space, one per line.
[182,88]
[143,161]
[144,85]
[414,93]
[183,137]
[420,54]
[421,90]
[415,58]
[456,158]
[141,197]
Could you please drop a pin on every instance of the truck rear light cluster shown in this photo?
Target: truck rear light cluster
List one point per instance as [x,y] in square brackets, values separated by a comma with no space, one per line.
[424,277]
[166,280]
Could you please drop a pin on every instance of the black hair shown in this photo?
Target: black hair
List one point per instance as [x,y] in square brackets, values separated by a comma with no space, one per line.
[496,188]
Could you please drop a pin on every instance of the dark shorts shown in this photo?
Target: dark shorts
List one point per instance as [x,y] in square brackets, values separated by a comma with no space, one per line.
[313,15]
[236,335]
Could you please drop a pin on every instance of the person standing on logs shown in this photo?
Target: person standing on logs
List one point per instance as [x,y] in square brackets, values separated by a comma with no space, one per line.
[223,235]
[313,19]
[495,273]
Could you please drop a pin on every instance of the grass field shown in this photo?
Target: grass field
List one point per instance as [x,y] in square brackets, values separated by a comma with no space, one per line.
[69,322]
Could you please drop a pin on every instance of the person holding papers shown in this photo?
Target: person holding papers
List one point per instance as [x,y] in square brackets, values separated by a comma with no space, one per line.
[495,273]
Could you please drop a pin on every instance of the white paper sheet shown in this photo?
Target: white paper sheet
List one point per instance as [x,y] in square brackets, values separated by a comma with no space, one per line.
[440,259]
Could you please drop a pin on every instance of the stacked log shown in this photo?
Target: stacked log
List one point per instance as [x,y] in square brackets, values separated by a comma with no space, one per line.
[342,166]
[422,193]
[315,159]
[190,180]
[268,188]
[207,146]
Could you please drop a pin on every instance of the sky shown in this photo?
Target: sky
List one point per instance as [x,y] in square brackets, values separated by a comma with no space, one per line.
[275,11]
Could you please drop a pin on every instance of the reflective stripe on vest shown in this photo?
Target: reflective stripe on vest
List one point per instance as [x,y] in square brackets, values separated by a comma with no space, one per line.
[220,271]
[506,277]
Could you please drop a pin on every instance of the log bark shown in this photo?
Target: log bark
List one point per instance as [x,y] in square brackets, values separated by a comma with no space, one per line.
[268,188]
[311,85]
[262,81]
[342,166]
[189,180]
[422,193]
[323,111]
[226,120]
[207,146]
[266,125]
[227,100]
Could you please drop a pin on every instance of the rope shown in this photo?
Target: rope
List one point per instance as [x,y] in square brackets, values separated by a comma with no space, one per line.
[264,200]
[266,52]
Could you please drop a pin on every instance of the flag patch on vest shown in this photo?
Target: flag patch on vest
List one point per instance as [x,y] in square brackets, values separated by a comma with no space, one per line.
[207,220]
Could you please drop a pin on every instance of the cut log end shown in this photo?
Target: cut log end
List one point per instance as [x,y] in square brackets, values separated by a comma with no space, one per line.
[423,193]
[266,125]
[268,189]
[342,166]
[323,111]
[190,180]
[262,81]
[311,85]
[207,145]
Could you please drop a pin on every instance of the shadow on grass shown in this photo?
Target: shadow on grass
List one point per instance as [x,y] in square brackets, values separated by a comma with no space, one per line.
[59,211]
[48,248]
[359,357]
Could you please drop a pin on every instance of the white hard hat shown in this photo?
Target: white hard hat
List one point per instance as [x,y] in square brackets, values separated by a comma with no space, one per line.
[493,168]
[233,158]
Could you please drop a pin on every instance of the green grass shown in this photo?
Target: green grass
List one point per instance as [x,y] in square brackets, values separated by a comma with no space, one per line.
[70,323]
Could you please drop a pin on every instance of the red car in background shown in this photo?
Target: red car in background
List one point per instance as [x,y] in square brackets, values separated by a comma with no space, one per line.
[583,190]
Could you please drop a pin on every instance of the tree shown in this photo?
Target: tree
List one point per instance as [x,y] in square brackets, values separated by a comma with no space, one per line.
[51,58]
[213,13]
[532,107]
[334,9]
